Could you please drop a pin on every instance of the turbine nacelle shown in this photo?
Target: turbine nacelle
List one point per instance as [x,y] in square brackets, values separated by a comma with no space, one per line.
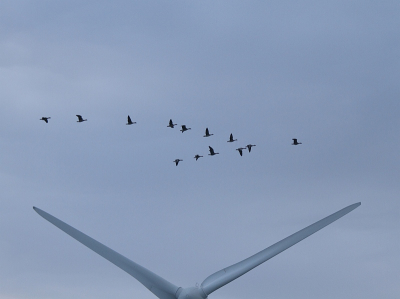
[191,293]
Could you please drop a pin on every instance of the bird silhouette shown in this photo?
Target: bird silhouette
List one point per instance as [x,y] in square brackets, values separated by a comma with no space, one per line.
[212,153]
[46,119]
[197,157]
[80,119]
[240,150]
[177,161]
[184,128]
[207,133]
[231,138]
[295,142]
[130,122]
[249,146]
[171,124]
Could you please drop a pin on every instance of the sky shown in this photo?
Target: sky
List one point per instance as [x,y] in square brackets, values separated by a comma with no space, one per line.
[326,73]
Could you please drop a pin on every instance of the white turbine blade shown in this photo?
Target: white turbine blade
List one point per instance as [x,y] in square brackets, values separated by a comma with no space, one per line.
[225,276]
[156,284]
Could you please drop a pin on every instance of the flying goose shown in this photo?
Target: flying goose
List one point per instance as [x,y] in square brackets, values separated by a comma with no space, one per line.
[240,150]
[177,161]
[46,119]
[197,157]
[171,124]
[212,153]
[249,146]
[207,133]
[295,142]
[184,128]
[80,119]
[130,122]
[231,138]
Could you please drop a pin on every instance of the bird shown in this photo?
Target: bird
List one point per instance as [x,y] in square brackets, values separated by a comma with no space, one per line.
[197,157]
[249,146]
[171,124]
[163,288]
[177,161]
[207,133]
[212,153]
[80,119]
[184,128]
[46,119]
[130,122]
[231,138]
[295,142]
[240,150]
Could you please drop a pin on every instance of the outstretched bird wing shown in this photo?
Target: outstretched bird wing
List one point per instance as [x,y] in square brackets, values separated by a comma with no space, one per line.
[129,119]
[225,276]
[207,132]
[79,117]
[160,287]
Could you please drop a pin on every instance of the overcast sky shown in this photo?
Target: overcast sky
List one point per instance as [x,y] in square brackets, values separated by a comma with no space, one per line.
[325,72]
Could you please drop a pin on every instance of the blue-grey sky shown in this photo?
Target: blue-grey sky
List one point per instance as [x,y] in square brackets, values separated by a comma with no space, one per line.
[326,73]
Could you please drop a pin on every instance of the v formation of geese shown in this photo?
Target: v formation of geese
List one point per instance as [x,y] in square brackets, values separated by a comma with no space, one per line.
[184,128]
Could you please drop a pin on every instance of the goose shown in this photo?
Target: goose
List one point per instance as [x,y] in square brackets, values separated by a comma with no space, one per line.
[184,128]
[80,119]
[207,133]
[212,153]
[197,157]
[130,122]
[231,138]
[177,161]
[240,150]
[46,119]
[295,142]
[171,124]
[249,146]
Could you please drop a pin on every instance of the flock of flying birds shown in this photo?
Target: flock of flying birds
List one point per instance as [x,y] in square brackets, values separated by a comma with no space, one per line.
[184,128]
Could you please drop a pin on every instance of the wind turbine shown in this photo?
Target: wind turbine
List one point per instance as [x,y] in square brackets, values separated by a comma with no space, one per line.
[163,289]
